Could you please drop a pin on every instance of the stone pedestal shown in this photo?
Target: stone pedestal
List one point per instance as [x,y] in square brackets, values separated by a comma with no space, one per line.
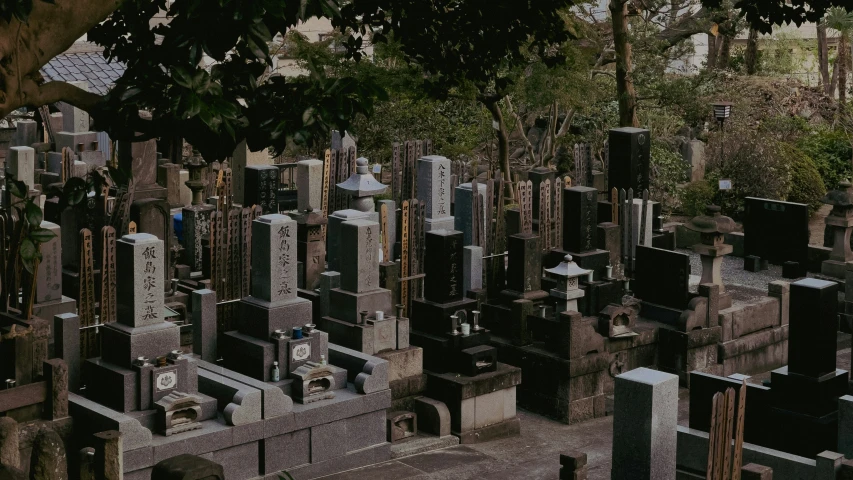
[482,407]
[644,425]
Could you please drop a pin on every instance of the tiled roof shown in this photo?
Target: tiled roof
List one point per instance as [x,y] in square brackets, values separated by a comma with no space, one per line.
[91,67]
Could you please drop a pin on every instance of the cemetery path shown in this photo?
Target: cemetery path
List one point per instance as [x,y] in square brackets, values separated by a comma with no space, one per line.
[535,454]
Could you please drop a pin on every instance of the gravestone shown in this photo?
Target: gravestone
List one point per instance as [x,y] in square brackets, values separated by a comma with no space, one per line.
[464,210]
[693,153]
[140,159]
[537,176]
[154,216]
[334,228]
[580,219]
[776,231]
[813,326]
[629,159]
[309,182]
[196,222]
[21,164]
[49,298]
[26,133]
[472,268]
[449,269]
[140,301]
[261,188]
[434,192]
[74,119]
[645,422]
[661,277]
[240,160]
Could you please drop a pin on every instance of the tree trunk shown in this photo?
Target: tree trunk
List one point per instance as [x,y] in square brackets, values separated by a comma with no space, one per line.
[752,52]
[823,58]
[834,82]
[724,57]
[503,145]
[841,63]
[711,64]
[25,47]
[625,90]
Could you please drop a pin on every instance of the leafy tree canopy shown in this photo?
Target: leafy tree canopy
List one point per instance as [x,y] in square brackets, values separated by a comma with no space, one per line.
[762,15]
[204,74]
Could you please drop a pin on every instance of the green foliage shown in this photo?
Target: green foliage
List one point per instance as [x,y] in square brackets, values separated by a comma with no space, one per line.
[764,14]
[665,174]
[456,127]
[831,152]
[32,233]
[453,43]
[695,196]
[806,184]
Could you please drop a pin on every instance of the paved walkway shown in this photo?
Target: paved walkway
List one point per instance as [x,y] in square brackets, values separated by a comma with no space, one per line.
[535,454]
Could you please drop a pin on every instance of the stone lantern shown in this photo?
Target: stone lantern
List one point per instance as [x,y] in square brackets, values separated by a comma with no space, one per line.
[840,222]
[196,165]
[361,186]
[568,275]
[713,228]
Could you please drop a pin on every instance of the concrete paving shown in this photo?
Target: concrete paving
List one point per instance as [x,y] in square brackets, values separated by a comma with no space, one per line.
[535,454]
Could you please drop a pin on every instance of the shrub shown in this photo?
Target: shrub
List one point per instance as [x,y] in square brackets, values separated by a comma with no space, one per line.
[665,173]
[831,152]
[755,163]
[806,183]
[695,196]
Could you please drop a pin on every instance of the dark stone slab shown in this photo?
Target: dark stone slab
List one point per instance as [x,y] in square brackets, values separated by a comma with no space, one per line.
[776,231]
[524,271]
[261,187]
[443,266]
[580,219]
[661,277]
[813,326]
[629,159]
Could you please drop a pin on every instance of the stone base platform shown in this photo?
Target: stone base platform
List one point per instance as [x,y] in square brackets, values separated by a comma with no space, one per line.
[481,407]
[420,443]
[568,390]
[307,441]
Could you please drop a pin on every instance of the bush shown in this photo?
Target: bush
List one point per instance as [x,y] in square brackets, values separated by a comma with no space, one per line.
[831,152]
[754,162]
[666,172]
[695,196]
[806,183]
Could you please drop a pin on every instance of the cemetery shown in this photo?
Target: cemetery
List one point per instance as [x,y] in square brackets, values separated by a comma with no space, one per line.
[299,255]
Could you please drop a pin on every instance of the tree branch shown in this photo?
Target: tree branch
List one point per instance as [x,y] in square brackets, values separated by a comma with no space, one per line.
[53,92]
[527,145]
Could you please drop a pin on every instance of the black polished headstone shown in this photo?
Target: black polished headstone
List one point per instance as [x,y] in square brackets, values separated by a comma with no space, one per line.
[629,159]
[813,326]
[661,277]
[524,269]
[580,219]
[443,266]
[261,187]
[776,231]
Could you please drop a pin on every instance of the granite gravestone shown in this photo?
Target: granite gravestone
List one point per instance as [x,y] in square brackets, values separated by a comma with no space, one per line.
[49,285]
[274,263]
[261,184]
[21,164]
[629,159]
[645,422]
[447,245]
[661,277]
[140,302]
[243,158]
[776,231]
[463,210]
[812,341]
[140,158]
[309,181]
[434,192]
[580,219]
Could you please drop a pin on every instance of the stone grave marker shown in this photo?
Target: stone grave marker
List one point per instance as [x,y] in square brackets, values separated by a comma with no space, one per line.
[662,277]
[629,157]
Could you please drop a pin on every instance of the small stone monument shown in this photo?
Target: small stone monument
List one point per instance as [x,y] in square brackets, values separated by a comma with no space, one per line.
[712,227]
[840,222]
[362,187]
[568,275]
